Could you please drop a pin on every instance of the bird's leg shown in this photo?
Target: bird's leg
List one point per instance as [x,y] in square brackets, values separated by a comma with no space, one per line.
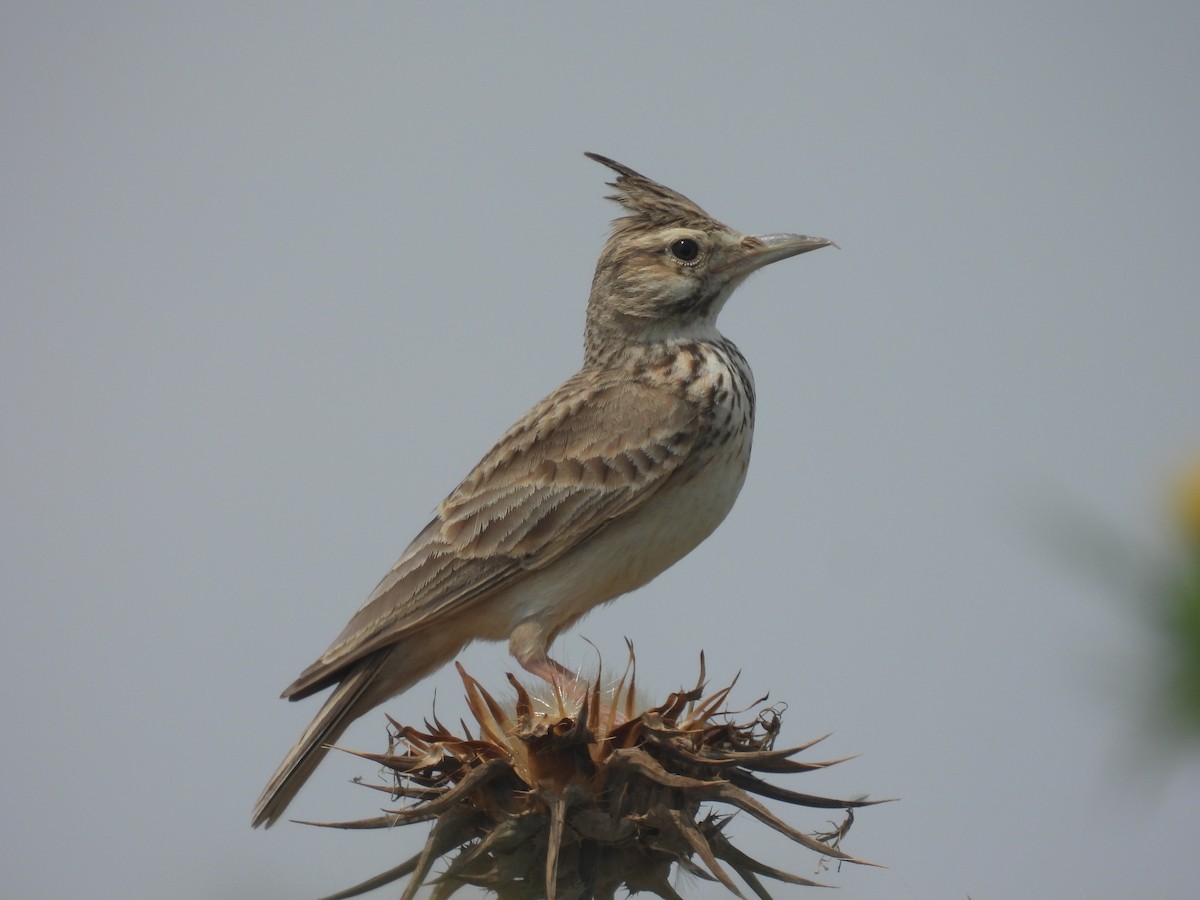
[528,644]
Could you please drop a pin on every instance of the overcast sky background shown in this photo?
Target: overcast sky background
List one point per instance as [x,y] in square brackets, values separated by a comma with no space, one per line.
[276,276]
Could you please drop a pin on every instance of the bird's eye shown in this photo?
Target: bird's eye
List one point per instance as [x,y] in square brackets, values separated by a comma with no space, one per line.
[685,250]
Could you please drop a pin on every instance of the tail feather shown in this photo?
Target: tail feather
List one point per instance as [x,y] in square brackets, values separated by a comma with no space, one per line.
[349,700]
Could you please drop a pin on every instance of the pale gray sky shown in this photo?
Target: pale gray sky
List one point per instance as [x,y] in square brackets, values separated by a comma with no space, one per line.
[276,275]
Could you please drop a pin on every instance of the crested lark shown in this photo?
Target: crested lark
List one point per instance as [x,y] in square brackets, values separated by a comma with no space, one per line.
[608,481]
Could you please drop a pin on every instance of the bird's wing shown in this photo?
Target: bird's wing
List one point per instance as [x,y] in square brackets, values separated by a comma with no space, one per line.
[589,453]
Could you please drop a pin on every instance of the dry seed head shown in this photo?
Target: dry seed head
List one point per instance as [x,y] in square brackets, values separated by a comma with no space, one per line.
[583,800]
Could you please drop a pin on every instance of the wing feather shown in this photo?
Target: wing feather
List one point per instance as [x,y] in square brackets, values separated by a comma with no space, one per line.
[589,453]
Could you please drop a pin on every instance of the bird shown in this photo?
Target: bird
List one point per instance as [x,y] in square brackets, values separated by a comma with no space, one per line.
[608,481]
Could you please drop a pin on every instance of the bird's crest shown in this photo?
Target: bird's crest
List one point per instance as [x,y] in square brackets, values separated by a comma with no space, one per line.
[650,204]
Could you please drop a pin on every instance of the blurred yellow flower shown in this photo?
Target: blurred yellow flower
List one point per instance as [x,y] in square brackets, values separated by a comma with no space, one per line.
[1187,502]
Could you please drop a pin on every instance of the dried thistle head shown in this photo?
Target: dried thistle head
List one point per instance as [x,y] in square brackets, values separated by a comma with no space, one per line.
[580,799]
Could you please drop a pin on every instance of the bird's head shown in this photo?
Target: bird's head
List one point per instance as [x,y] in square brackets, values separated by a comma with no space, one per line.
[669,266]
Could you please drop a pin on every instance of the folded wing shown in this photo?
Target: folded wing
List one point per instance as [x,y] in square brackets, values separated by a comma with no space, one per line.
[591,452]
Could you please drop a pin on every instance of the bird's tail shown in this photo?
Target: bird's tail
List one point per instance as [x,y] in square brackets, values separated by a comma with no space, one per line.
[349,700]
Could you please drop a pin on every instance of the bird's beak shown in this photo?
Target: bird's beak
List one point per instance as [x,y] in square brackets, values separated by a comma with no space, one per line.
[759,250]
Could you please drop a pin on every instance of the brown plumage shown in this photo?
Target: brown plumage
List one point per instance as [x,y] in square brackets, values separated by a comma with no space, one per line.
[609,480]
